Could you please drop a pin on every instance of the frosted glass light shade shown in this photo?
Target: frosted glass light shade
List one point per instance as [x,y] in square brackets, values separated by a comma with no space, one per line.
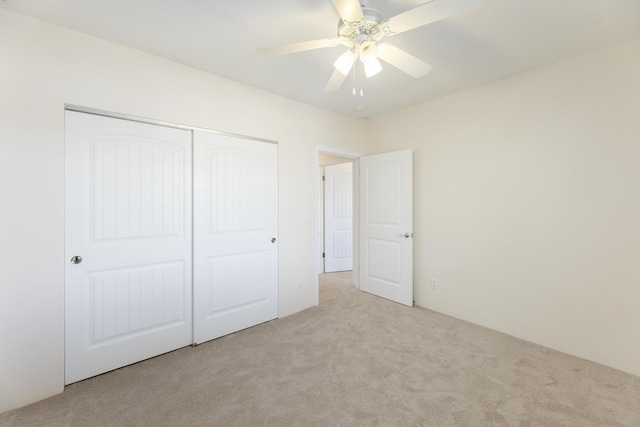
[372,67]
[345,62]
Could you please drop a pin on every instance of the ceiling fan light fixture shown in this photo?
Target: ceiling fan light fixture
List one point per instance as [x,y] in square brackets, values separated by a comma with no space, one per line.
[345,62]
[369,58]
[372,67]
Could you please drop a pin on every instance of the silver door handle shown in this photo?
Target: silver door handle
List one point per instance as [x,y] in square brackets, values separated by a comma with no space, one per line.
[406,235]
[273,240]
[76,259]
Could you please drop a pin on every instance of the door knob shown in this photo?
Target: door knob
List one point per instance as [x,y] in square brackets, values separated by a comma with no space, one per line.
[273,240]
[76,259]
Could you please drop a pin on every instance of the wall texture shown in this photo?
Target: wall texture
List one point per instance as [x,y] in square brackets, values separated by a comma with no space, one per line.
[44,67]
[527,209]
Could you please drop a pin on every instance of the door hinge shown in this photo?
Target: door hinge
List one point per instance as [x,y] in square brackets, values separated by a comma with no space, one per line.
[323,177]
[322,254]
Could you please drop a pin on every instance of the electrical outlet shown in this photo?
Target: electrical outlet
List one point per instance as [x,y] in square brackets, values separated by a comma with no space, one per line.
[299,285]
[434,284]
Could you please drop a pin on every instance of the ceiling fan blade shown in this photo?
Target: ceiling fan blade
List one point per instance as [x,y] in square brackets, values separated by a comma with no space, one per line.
[336,80]
[402,60]
[301,46]
[349,10]
[427,13]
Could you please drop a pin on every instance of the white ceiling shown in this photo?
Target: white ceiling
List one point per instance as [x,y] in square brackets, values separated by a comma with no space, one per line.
[501,38]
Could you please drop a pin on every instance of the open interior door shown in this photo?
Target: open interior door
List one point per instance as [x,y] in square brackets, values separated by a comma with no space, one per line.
[386,225]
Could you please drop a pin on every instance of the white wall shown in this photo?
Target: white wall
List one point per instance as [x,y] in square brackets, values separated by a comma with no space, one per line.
[527,203]
[44,67]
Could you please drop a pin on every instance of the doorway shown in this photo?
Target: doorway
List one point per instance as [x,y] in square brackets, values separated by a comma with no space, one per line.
[382,222]
[337,208]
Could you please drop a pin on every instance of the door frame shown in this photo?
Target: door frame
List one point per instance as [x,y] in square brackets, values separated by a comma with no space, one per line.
[132,118]
[355,158]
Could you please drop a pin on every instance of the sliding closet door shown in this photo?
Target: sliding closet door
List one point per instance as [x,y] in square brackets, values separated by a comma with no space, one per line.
[128,243]
[235,234]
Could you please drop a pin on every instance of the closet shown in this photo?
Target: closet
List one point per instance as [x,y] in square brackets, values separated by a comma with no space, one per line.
[170,239]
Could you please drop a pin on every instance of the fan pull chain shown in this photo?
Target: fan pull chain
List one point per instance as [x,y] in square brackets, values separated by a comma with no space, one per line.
[361,79]
[354,91]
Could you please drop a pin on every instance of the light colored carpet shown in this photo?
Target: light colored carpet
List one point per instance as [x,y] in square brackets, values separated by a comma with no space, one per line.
[356,360]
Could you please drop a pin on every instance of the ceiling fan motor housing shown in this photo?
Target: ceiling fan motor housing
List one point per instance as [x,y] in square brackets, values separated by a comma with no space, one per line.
[368,29]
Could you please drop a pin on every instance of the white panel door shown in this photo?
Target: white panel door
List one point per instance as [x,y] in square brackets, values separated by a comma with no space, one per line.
[235,234]
[338,217]
[128,216]
[386,225]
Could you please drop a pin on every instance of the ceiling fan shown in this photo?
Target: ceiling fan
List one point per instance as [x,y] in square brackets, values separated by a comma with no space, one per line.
[361,28]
